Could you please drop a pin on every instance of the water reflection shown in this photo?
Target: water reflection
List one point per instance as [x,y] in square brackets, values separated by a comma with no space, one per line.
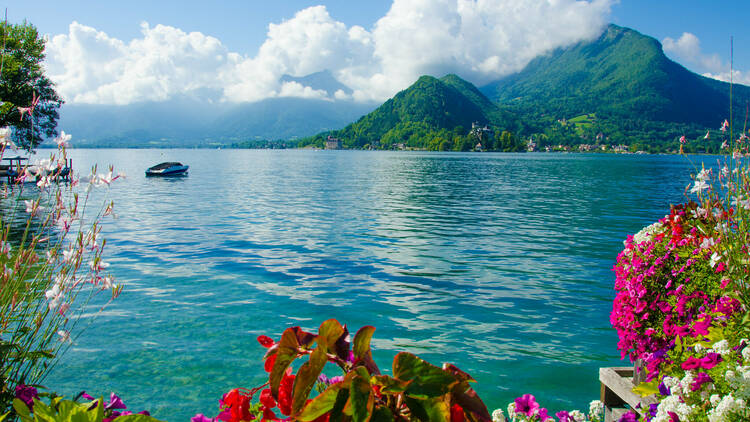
[499,263]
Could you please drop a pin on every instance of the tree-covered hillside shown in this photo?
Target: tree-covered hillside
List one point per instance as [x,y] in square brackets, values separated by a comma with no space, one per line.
[623,78]
[430,114]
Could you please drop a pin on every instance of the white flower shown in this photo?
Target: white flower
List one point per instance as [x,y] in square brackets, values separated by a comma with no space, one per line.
[715,258]
[497,416]
[5,248]
[68,255]
[726,407]
[63,140]
[700,186]
[699,349]
[107,282]
[741,201]
[596,409]
[94,266]
[722,348]
[647,232]
[703,175]
[577,415]
[63,336]
[746,354]
[708,243]
[715,399]
[53,292]
[512,410]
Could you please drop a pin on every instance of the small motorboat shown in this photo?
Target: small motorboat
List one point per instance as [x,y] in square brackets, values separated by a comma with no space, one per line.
[167,169]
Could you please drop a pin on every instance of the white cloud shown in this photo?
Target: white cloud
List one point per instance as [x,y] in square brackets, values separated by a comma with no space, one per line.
[481,40]
[88,66]
[687,49]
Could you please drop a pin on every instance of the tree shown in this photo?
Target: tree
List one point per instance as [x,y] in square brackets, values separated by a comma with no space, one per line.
[30,103]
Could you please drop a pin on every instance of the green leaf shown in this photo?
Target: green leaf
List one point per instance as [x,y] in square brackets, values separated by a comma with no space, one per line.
[21,410]
[321,404]
[361,399]
[436,409]
[362,341]
[307,376]
[337,413]
[362,349]
[645,389]
[382,414]
[427,380]
[286,352]
[2,417]
[390,385]
[329,332]
[473,406]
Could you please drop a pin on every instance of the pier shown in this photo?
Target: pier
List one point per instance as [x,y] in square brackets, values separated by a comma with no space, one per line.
[18,165]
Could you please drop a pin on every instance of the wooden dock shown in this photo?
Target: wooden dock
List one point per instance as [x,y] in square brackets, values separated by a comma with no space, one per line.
[15,167]
[617,394]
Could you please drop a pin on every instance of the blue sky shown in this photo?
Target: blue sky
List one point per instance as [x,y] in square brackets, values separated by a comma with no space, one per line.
[375,47]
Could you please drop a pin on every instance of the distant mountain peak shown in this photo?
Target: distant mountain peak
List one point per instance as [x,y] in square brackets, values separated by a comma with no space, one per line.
[323,80]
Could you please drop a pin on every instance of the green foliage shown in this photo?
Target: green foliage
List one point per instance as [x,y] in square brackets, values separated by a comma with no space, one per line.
[430,114]
[22,82]
[625,81]
[417,389]
[60,410]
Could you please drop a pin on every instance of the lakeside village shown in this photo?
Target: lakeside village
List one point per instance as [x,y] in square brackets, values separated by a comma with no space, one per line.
[485,133]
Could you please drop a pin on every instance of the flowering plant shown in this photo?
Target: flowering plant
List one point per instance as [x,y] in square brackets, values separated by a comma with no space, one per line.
[526,409]
[50,264]
[670,285]
[416,391]
[30,408]
[682,299]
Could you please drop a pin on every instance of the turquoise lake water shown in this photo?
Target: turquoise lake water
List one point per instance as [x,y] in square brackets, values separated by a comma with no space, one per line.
[497,263]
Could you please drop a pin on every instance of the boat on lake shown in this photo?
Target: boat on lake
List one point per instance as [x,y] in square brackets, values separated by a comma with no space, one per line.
[167,169]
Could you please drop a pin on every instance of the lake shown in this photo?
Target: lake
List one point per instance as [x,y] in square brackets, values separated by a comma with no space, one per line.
[497,263]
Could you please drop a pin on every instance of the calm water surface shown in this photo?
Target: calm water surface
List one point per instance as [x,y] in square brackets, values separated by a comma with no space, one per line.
[498,263]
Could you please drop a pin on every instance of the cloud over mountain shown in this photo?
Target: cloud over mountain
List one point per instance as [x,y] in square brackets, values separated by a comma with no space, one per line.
[480,40]
[687,49]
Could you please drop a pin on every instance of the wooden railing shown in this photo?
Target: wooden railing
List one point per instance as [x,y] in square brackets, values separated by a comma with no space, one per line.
[617,393]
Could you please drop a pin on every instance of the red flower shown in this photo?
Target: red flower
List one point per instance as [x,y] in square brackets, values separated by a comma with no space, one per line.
[267,399]
[270,361]
[265,341]
[239,405]
[457,413]
[285,394]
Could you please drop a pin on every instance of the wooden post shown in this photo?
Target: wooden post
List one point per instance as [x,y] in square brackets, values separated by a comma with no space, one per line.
[617,393]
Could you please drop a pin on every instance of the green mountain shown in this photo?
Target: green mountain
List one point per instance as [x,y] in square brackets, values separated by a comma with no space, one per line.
[623,79]
[431,109]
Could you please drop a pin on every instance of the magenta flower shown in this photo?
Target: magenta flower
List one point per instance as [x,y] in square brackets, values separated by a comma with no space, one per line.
[115,403]
[27,394]
[527,405]
[200,417]
[700,379]
[628,417]
[564,416]
[710,360]
[691,363]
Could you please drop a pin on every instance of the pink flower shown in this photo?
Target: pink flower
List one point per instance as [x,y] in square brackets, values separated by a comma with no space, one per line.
[682,139]
[527,405]
[700,379]
[711,360]
[691,363]
[724,125]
